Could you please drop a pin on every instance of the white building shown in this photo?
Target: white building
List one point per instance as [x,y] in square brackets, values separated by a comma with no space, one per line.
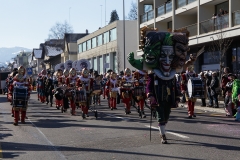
[197,17]
[108,47]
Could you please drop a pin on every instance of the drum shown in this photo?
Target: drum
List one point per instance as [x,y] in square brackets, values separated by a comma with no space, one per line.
[58,93]
[113,94]
[139,92]
[69,92]
[195,88]
[97,89]
[20,96]
[81,97]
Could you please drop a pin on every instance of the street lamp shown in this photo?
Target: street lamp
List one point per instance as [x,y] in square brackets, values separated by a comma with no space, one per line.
[124,63]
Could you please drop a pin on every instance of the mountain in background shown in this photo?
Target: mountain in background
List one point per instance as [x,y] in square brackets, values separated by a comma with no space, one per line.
[6,54]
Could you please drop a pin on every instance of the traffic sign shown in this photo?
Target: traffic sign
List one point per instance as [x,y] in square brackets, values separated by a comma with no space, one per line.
[29,71]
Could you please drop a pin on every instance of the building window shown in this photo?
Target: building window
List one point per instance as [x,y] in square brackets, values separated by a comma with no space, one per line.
[113,34]
[107,60]
[115,62]
[94,42]
[224,6]
[95,66]
[100,64]
[99,40]
[84,45]
[148,7]
[211,57]
[90,62]
[106,37]
[169,25]
[89,44]
[80,48]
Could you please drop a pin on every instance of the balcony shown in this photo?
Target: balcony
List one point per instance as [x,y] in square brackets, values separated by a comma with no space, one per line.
[214,24]
[164,8]
[147,16]
[181,3]
[236,18]
[192,29]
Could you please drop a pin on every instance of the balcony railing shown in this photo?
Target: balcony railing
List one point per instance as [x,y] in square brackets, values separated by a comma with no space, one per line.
[236,18]
[181,3]
[217,23]
[147,16]
[192,29]
[164,8]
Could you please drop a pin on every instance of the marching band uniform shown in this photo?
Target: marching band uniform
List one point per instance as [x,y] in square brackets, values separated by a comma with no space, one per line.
[85,84]
[59,79]
[65,98]
[126,93]
[139,90]
[49,86]
[70,82]
[103,83]
[42,86]
[190,101]
[112,86]
[20,78]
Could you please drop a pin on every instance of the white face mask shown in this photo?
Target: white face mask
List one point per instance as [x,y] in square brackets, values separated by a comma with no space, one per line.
[166,57]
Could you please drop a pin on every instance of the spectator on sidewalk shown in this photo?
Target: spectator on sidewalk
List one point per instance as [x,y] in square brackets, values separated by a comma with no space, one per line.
[213,86]
[204,79]
[228,103]
[208,90]
[224,80]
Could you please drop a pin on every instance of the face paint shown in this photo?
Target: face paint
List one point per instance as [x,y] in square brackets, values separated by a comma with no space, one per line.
[85,73]
[166,57]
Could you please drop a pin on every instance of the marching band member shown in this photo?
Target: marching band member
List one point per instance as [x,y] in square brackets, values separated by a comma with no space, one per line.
[126,94]
[71,82]
[85,84]
[38,85]
[65,98]
[49,86]
[190,101]
[112,86]
[139,90]
[20,79]
[41,86]
[59,79]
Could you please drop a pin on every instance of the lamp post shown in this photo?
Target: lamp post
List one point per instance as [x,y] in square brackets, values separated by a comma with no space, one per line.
[124,63]
[101,16]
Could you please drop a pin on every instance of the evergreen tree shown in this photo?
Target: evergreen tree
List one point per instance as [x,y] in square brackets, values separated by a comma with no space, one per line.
[114,16]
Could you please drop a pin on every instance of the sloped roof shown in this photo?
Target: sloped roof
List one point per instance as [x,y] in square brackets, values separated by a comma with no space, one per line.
[73,37]
[37,53]
[53,51]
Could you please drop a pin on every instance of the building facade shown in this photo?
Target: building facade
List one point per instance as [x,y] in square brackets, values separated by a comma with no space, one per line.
[206,20]
[107,48]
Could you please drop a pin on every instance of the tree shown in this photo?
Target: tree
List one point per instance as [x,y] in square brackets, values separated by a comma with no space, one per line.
[220,44]
[133,13]
[114,16]
[59,29]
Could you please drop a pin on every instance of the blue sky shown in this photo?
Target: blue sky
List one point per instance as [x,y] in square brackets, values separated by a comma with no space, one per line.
[26,23]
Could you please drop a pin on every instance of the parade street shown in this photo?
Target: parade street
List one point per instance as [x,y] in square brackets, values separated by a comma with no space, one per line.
[51,135]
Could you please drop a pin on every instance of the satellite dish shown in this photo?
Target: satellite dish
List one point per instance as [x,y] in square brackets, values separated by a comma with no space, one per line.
[83,63]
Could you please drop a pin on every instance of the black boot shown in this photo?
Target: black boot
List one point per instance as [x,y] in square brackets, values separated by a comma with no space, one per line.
[163,139]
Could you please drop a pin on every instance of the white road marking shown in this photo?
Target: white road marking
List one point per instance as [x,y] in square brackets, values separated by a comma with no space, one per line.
[123,118]
[175,134]
[62,156]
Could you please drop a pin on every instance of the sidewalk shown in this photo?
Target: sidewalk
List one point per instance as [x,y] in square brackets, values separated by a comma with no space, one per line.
[210,109]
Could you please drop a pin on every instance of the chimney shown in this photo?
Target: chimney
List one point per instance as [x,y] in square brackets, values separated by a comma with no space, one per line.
[86,31]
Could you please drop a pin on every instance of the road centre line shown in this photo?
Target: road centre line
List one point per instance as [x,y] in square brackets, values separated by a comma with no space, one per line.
[173,133]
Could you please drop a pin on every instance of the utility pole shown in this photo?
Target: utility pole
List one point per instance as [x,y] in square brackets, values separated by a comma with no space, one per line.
[124,63]
[69,15]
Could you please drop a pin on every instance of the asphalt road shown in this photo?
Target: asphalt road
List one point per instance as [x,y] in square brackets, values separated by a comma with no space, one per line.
[51,135]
